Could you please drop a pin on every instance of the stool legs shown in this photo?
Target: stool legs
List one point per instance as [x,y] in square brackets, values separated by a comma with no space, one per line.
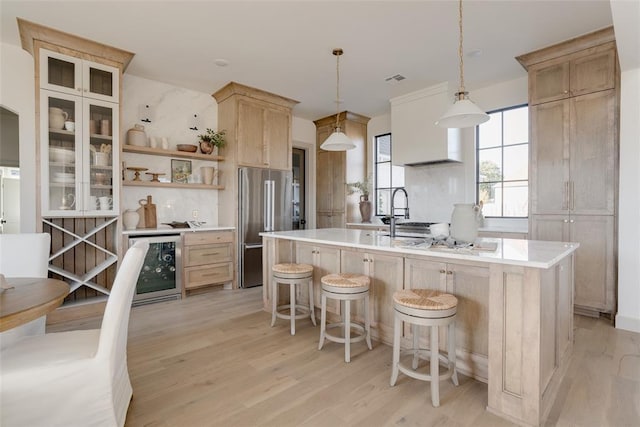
[397,326]
[312,306]
[274,301]
[323,320]
[347,331]
[292,307]
[452,352]
[367,322]
[435,367]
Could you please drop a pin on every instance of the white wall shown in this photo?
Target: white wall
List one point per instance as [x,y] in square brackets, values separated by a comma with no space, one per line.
[17,94]
[628,316]
[174,110]
[434,189]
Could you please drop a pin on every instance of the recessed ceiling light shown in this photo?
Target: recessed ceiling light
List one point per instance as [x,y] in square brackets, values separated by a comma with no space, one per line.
[474,53]
[221,62]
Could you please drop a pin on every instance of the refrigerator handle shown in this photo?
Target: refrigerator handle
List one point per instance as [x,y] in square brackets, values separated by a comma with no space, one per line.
[267,206]
[273,206]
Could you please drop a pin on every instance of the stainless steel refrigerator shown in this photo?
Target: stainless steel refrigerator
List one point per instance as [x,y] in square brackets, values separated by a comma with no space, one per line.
[265,205]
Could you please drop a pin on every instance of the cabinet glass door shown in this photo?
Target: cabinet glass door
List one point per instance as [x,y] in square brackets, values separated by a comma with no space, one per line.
[60,73]
[100,154]
[61,160]
[100,81]
[75,76]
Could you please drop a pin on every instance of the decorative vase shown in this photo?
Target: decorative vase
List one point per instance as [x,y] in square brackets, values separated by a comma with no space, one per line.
[365,208]
[207,174]
[206,147]
[130,219]
[465,220]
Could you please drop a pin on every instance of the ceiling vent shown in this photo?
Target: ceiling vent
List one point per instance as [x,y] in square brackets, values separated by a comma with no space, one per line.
[395,79]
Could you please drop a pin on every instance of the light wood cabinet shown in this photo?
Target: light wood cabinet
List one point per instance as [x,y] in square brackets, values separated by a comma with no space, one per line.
[594,260]
[258,126]
[386,273]
[207,259]
[325,260]
[79,81]
[574,117]
[334,169]
[470,284]
[587,71]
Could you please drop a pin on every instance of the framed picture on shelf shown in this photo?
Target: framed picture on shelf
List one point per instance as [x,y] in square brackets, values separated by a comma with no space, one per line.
[180,170]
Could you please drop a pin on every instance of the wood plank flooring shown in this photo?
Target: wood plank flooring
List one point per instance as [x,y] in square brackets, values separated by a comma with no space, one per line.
[213,360]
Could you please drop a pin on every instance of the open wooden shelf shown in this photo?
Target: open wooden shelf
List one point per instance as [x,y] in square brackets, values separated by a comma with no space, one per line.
[171,153]
[171,185]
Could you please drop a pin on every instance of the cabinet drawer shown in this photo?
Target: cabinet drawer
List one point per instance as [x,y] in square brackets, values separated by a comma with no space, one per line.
[207,254]
[201,276]
[201,238]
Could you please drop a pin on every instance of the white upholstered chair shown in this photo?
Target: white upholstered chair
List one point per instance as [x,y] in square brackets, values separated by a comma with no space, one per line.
[24,255]
[75,378]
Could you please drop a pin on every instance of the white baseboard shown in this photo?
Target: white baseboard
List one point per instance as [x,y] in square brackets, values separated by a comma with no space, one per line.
[628,323]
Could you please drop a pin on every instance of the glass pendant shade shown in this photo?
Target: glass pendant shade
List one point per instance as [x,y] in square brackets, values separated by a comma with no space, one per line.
[462,114]
[337,141]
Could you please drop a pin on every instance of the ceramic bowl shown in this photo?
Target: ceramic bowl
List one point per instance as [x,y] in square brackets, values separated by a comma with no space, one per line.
[187,147]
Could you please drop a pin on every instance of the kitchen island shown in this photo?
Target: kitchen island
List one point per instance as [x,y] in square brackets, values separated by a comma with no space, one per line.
[514,328]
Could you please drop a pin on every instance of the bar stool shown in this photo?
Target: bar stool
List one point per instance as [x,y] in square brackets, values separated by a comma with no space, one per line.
[345,287]
[292,275]
[425,307]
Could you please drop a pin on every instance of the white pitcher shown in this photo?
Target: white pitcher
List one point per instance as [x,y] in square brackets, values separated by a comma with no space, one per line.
[465,220]
[57,117]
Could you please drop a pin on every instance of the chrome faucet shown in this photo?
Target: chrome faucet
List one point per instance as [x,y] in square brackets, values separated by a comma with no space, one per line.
[392,223]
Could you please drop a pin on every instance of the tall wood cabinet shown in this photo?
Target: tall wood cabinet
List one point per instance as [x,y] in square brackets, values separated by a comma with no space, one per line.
[258,129]
[334,169]
[574,116]
[78,87]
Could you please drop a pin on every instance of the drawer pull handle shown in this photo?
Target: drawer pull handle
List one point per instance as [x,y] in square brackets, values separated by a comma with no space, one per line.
[210,274]
[212,253]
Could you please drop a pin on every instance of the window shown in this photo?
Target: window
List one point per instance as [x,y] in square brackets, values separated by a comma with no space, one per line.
[387,176]
[502,168]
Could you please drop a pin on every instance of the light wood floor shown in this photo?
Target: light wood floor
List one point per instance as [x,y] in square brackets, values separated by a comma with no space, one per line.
[213,360]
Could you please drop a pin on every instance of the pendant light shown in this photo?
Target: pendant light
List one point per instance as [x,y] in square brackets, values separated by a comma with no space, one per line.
[463,113]
[337,141]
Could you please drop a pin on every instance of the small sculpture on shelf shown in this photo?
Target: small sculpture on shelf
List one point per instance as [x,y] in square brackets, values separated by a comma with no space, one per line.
[210,140]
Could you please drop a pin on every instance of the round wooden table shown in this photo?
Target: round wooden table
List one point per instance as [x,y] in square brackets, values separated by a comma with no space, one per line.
[29,299]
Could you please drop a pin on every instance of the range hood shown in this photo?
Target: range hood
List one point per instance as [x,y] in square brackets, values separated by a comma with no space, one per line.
[416,139]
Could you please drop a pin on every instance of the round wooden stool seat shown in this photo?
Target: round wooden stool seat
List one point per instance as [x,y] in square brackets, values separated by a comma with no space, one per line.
[292,271]
[346,283]
[431,308]
[345,287]
[292,275]
[427,303]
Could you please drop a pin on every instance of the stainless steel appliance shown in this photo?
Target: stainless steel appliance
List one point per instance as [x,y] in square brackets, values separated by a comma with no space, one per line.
[265,205]
[160,277]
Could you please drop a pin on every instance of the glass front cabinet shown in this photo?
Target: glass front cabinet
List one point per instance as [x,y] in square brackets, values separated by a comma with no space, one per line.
[79,156]
[76,76]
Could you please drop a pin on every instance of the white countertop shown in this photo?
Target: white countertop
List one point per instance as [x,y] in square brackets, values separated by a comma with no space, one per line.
[165,229]
[526,253]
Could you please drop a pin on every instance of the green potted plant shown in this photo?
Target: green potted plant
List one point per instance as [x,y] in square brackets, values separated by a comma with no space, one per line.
[212,139]
[364,188]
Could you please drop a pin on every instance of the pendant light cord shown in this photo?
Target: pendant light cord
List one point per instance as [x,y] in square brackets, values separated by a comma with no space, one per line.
[338,89]
[460,53]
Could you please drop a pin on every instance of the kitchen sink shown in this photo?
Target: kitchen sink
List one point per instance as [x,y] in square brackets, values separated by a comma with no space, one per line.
[406,236]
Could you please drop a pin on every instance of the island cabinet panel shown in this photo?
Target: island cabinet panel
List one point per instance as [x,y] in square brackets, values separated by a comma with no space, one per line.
[386,275]
[532,331]
[325,260]
[470,285]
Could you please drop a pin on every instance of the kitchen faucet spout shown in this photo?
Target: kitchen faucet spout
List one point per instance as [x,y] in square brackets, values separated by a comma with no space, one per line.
[392,223]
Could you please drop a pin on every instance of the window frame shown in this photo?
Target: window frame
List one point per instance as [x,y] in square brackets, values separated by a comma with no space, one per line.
[502,146]
[375,174]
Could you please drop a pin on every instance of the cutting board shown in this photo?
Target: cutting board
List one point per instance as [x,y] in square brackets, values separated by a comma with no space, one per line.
[147,212]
